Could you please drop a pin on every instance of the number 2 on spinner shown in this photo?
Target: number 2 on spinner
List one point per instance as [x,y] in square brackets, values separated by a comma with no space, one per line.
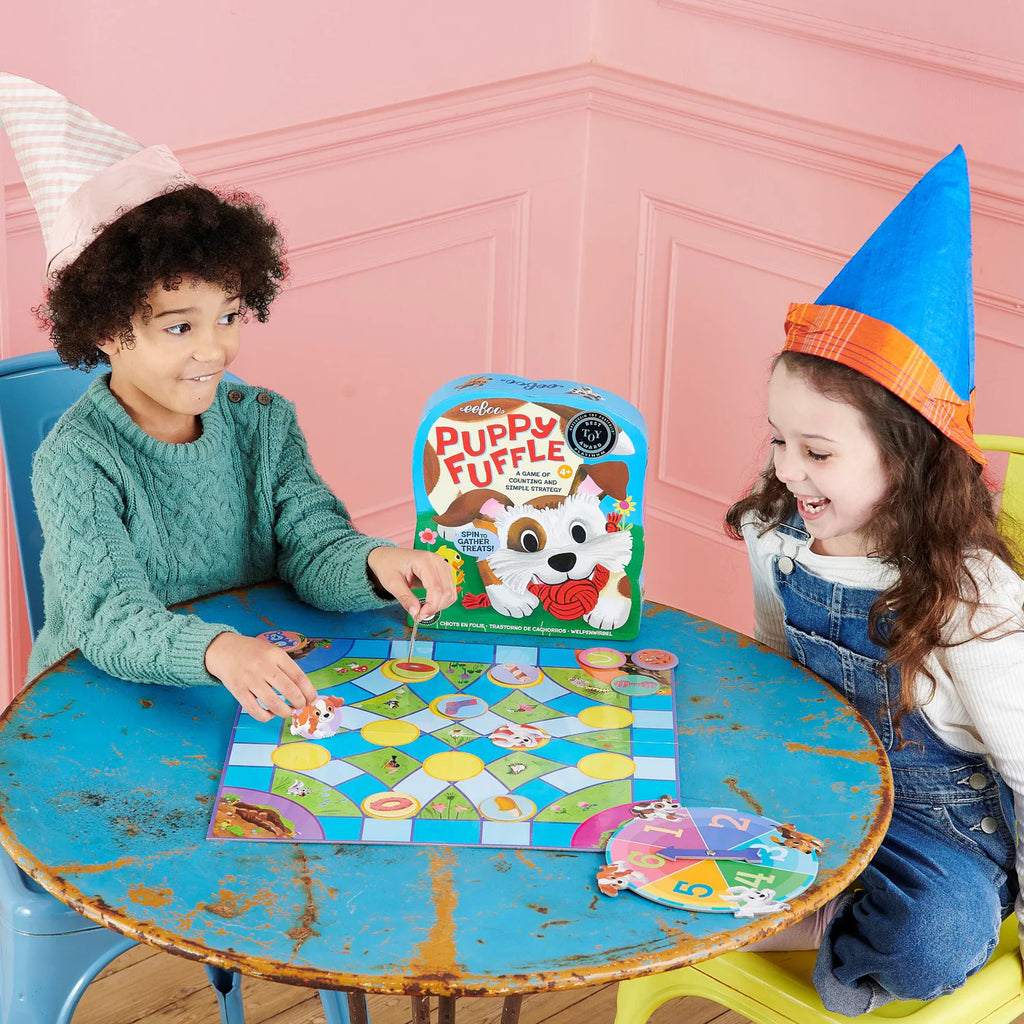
[741,824]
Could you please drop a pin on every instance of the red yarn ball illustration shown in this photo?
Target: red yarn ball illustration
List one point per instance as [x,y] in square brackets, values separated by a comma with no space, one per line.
[572,599]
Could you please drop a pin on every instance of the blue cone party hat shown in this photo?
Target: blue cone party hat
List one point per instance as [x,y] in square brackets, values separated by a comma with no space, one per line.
[902,309]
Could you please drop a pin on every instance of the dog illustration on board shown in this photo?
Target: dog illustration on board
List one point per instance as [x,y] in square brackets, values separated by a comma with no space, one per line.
[559,551]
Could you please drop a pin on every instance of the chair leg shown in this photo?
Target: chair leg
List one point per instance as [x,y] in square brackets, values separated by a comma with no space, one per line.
[42,977]
[228,987]
[510,1009]
[344,1007]
[420,1010]
[446,1010]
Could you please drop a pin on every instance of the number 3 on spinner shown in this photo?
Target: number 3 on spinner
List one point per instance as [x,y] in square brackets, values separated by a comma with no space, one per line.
[695,856]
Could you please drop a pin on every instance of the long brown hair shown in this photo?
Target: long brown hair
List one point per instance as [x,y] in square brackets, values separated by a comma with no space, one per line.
[938,507]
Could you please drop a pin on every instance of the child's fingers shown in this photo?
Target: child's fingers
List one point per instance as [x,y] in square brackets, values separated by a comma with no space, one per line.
[272,700]
[440,587]
[296,687]
[405,597]
[251,706]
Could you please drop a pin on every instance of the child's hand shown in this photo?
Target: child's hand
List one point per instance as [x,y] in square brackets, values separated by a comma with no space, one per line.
[254,670]
[399,569]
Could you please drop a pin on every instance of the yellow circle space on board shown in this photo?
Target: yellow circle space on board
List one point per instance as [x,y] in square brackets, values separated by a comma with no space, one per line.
[390,806]
[453,765]
[300,757]
[603,716]
[391,670]
[386,733]
[606,766]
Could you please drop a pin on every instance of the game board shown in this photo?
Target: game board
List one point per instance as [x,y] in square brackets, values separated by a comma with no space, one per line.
[465,744]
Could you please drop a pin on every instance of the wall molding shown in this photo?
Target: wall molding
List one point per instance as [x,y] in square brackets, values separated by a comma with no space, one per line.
[285,152]
[589,88]
[880,162]
[678,519]
[844,35]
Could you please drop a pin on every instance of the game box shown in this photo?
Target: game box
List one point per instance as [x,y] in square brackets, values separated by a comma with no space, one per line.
[533,491]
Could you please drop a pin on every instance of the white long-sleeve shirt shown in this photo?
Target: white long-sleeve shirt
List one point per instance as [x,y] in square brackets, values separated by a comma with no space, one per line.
[978,703]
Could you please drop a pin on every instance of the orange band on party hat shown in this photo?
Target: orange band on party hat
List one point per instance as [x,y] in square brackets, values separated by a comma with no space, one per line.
[887,356]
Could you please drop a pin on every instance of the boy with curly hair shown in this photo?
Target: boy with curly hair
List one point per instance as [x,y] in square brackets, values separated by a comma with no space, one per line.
[164,482]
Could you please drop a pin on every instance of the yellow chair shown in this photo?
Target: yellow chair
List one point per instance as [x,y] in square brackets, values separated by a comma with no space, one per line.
[776,988]
[1011,509]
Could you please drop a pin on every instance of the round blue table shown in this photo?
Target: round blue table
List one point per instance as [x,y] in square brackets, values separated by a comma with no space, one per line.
[109,786]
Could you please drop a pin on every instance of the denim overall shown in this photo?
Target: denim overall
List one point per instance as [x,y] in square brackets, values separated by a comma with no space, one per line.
[927,909]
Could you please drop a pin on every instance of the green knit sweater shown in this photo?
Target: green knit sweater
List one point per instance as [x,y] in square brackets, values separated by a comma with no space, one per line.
[132,524]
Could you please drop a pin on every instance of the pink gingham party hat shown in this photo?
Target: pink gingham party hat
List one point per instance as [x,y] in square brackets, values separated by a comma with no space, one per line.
[81,173]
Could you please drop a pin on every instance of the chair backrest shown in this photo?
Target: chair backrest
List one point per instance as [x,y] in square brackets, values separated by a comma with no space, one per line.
[35,390]
[1011,507]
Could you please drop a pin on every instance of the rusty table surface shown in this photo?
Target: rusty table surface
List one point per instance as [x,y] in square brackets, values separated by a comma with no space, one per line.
[108,788]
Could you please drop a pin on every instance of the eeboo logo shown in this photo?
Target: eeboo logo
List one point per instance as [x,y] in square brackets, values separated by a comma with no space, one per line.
[591,434]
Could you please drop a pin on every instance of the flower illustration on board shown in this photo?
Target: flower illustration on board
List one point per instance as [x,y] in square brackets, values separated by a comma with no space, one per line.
[625,505]
[428,536]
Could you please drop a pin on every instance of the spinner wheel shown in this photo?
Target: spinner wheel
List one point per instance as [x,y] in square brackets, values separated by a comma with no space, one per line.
[711,859]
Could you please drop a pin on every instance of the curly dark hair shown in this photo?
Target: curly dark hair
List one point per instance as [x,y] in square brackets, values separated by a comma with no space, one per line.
[938,507]
[189,232]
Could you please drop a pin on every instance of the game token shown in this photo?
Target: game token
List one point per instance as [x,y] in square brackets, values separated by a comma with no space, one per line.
[283,638]
[516,676]
[652,657]
[601,657]
[508,808]
[458,706]
[408,671]
[635,685]
[390,805]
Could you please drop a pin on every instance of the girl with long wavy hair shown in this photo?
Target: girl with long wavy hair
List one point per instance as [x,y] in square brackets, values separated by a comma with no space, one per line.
[877,564]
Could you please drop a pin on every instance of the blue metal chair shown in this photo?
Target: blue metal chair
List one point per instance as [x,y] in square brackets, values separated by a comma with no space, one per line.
[48,953]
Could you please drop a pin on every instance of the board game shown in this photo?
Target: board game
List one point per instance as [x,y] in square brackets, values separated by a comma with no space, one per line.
[454,743]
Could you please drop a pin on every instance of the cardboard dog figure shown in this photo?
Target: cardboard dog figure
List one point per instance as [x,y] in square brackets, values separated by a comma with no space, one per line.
[534,491]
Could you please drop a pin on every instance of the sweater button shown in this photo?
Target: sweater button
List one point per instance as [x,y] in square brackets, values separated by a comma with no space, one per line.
[264,398]
[234,395]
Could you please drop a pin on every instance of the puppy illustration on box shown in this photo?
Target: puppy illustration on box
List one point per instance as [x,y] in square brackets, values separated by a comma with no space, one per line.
[532,490]
[558,551]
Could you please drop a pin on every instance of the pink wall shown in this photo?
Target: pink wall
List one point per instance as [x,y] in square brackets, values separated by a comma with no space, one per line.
[200,72]
[628,192]
[739,152]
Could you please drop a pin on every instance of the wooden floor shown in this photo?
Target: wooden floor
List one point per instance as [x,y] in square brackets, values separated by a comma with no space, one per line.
[145,985]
